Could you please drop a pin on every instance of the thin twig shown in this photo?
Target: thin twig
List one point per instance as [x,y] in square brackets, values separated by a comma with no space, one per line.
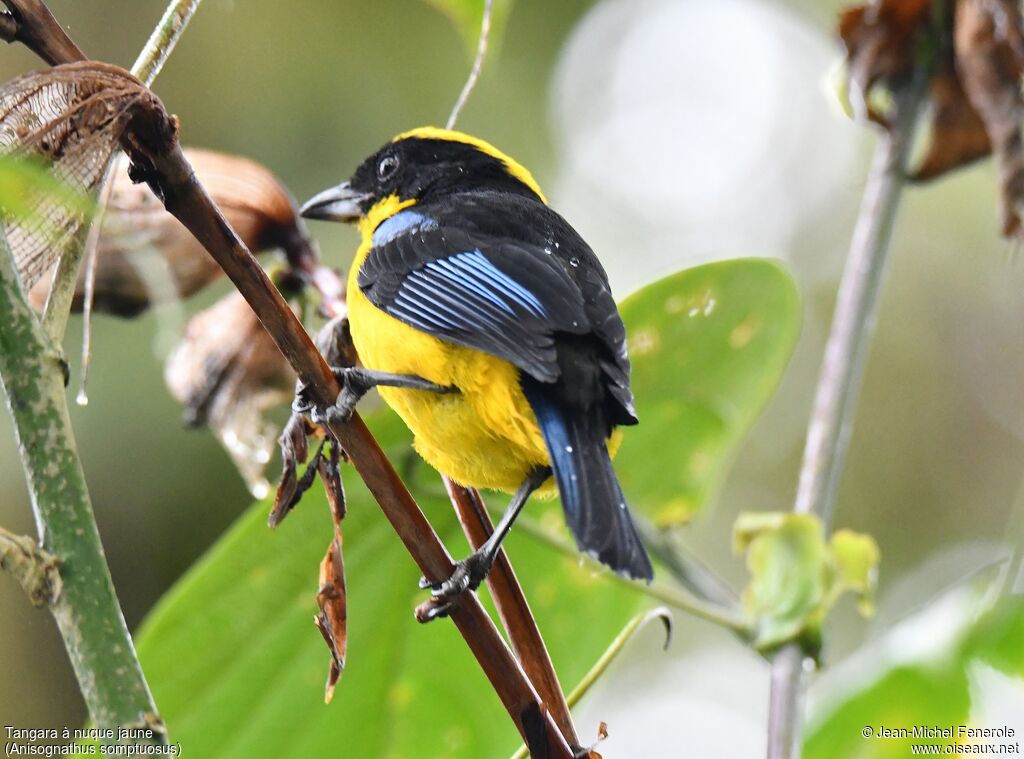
[514,610]
[694,575]
[838,385]
[478,64]
[91,255]
[163,39]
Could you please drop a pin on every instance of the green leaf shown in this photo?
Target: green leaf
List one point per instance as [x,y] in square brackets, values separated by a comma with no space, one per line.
[931,689]
[795,578]
[855,558]
[902,698]
[785,556]
[635,625]
[238,667]
[467,16]
[708,346]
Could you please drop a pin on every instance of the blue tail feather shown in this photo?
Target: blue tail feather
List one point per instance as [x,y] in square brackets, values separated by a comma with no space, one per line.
[595,508]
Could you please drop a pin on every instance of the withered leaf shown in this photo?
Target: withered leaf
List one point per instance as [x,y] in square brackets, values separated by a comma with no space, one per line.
[294,444]
[291,487]
[145,256]
[332,621]
[227,371]
[975,71]
[329,467]
[958,133]
[989,48]
[879,38]
[69,118]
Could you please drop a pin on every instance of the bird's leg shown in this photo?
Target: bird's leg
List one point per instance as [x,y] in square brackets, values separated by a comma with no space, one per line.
[472,570]
[356,382]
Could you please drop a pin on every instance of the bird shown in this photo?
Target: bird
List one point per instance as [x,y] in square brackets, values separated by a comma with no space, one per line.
[488,324]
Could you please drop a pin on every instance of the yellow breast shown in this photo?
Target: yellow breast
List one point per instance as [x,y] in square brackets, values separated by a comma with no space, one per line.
[484,436]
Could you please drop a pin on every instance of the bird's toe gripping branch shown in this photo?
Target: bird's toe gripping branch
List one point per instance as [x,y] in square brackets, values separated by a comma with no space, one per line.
[355,382]
[466,577]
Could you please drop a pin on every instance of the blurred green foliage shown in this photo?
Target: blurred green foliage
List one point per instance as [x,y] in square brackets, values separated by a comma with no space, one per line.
[708,347]
[932,689]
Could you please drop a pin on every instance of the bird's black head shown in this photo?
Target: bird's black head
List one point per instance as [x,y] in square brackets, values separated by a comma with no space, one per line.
[416,166]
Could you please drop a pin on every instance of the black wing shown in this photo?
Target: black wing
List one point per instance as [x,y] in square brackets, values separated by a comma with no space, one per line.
[502,274]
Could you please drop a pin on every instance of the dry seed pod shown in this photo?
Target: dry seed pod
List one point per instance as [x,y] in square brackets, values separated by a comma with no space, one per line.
[145,256]
[227,372]
[69,118]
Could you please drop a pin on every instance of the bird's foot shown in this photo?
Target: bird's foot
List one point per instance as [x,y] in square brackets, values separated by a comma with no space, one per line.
[354,386]
[466,577]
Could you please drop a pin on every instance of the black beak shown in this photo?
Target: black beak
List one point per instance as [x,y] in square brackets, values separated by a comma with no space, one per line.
[340,203]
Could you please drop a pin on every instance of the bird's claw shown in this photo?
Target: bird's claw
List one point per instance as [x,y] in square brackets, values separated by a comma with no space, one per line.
[466,576]
[353,388]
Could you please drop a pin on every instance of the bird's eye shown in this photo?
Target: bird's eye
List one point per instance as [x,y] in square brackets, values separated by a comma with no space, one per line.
[388,165]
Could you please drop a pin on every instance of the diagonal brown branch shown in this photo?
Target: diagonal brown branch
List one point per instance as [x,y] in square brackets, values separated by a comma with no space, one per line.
[516,617]
[35,27]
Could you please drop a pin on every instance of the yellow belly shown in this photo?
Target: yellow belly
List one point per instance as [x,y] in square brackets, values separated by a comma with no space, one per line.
[484,436]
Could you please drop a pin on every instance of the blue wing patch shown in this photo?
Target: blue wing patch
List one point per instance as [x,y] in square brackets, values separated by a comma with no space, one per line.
[399,224]
[465,297]
[472,272]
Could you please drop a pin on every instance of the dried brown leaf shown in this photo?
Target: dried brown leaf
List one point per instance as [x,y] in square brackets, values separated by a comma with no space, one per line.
[69,118]
[329,467]
[291,488]
[227,371]
[879,38]
[989,47]
[958,135]
[332,621]
[294,444]
[145,256]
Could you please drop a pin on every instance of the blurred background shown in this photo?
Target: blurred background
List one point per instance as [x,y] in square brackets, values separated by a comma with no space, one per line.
[669,132]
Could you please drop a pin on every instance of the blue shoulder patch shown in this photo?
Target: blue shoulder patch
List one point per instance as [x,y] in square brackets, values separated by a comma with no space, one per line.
[401,223]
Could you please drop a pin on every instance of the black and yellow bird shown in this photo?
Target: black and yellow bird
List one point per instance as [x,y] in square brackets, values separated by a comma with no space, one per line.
[489,327]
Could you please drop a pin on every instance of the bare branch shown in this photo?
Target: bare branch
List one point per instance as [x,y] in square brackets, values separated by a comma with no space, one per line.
[165,36]
[36,28]
[842,370]
[478,64]
[513,608]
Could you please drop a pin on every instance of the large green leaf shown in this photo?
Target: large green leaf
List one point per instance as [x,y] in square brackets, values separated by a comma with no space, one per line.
[238,667]
[709,346]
